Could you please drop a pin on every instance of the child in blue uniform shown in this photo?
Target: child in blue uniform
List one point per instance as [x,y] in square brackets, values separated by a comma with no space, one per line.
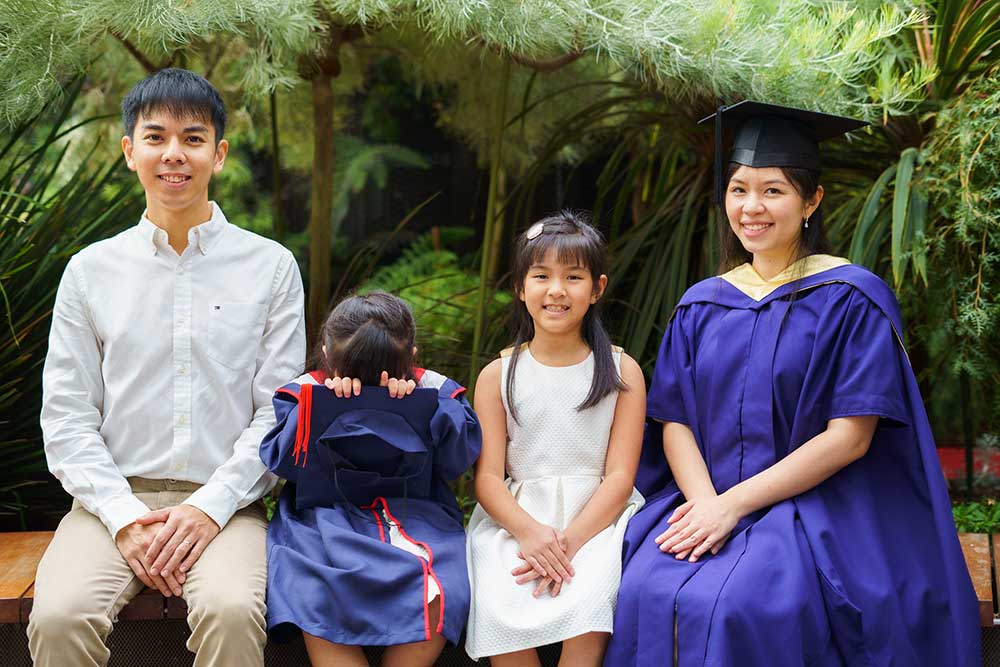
[367,547]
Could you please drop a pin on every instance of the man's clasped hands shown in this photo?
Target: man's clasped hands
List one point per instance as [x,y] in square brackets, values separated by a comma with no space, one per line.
[162,546]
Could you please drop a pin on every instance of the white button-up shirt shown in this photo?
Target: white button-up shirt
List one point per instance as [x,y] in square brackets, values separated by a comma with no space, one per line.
[163,367]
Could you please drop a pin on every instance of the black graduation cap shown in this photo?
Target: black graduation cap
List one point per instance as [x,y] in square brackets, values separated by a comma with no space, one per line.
[769,135]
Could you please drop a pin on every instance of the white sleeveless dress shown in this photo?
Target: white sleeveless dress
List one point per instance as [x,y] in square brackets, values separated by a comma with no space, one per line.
[555,462]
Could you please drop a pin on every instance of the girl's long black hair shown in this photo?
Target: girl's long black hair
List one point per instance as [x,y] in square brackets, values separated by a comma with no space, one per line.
[813,240]
[575,242]
[367,334]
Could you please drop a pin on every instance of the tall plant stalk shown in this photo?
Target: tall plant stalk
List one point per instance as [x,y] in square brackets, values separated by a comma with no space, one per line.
[321,202]
[494,207]
[277,228]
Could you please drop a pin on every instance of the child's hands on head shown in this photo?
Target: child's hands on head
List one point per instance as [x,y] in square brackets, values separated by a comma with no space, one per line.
[397,388]
[344,387]
[347,387]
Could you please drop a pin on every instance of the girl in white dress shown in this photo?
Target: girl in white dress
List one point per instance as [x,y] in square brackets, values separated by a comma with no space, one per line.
[562,414]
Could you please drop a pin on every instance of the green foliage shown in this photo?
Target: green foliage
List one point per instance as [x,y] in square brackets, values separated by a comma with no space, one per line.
[963,165]
[817,53]
[784,50]
[442,292]
[43,44]
[977,516]
[360,163]
[465,78]
[45,216]
[965,45]
[360,166]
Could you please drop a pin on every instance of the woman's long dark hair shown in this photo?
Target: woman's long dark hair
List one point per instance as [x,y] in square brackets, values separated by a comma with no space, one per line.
[365,335]
[575,242]
[813,240]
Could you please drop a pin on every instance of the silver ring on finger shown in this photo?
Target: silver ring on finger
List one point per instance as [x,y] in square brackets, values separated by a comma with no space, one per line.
[187,542]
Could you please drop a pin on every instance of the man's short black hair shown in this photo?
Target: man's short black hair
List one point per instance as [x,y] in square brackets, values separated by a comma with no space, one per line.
[178,92]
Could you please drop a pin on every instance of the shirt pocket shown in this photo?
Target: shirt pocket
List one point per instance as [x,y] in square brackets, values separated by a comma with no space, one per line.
[234,333]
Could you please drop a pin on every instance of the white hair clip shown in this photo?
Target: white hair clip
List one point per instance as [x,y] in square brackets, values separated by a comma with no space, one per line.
[535,231]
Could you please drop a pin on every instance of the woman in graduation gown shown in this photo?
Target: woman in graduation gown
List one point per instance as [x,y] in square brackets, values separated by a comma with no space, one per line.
[796,511]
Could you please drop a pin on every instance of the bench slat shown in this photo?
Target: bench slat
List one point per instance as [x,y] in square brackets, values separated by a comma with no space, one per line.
[19,556]
[976,548]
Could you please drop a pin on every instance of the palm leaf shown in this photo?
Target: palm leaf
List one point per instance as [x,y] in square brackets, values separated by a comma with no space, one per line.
[900,207]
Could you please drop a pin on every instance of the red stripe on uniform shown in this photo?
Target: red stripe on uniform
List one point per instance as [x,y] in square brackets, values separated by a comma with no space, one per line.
[428,566]
[302,428]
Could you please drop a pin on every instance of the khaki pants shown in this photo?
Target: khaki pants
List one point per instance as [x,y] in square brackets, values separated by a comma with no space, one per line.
[83,582]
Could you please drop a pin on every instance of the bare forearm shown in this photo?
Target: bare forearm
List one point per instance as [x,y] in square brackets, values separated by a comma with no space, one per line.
[602,508]
[686,462]
[496,499]
[806,467]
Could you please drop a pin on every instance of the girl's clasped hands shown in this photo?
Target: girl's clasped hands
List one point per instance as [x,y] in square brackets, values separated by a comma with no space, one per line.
[547,555]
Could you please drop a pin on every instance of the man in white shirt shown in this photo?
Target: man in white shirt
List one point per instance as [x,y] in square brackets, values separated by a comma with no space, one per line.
[167,342]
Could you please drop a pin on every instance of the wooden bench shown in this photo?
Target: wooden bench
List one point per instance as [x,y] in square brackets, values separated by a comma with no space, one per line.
[19,557]
[21,552]
[980,552]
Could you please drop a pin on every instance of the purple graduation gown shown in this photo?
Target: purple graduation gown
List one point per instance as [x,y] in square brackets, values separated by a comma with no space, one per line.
[353,465]
[864,569]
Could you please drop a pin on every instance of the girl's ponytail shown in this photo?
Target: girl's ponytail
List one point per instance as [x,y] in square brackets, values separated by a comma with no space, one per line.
[365,335]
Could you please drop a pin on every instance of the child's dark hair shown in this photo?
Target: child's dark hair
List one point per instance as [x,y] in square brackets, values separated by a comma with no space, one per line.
[813,240]
[367,334]
[178,92]
[575,242]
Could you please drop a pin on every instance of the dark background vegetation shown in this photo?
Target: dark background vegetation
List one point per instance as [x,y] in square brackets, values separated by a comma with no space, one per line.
[431,182]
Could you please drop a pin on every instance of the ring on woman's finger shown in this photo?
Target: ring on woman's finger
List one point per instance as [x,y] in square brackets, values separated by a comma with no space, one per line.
[187,542]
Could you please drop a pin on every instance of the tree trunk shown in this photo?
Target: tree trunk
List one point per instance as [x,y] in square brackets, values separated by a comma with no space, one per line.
[493,206]
[321,203]
[499,217]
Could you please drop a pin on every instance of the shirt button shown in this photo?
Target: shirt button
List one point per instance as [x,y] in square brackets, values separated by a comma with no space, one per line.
[182,420]
[182,370]
[180,269]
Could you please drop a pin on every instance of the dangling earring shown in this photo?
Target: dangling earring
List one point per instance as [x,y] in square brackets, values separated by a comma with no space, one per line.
[806,223]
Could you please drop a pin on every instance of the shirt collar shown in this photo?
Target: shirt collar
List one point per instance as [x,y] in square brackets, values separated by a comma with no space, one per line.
[202,236]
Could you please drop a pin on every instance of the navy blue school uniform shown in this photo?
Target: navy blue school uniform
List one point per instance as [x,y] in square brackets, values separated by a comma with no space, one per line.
[358,471]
